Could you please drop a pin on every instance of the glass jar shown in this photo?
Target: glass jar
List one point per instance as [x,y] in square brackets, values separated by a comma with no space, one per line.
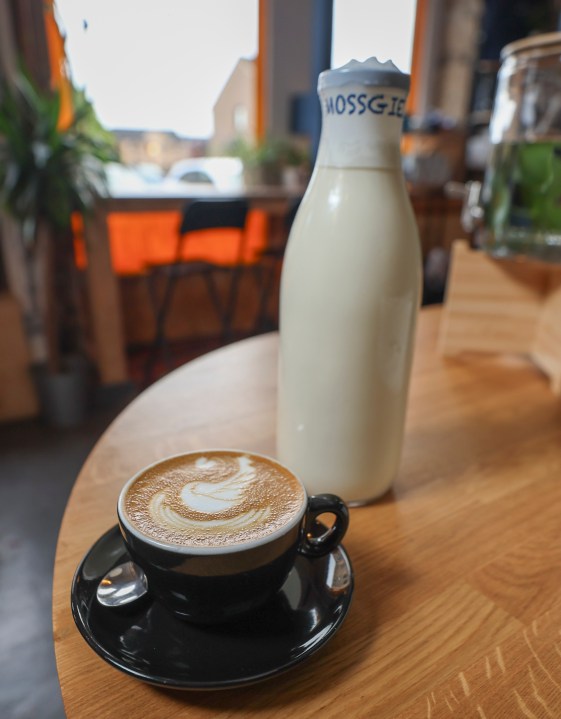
[521,195]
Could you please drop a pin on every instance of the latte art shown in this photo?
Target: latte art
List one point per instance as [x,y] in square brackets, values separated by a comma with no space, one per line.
[175,522]
[213,500]
[209,497]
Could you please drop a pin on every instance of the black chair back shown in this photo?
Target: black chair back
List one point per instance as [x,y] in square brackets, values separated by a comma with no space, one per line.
[291,214]
[211,214]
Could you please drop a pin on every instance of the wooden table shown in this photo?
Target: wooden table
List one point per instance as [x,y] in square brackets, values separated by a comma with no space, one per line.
[457,606]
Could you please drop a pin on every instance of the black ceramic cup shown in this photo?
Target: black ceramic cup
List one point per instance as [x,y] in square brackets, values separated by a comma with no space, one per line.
[217,584]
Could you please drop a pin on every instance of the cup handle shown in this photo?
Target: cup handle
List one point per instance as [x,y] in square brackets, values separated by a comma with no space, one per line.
[312,545]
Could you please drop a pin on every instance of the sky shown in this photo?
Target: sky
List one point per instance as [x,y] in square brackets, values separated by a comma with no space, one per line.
[162,64]
[155,64]
[362,28]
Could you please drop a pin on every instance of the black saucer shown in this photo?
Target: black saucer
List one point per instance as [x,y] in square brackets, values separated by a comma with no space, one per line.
[149,643]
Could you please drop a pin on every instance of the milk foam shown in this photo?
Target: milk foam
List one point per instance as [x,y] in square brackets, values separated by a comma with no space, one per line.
[211,497]
[206,500]
[167,517]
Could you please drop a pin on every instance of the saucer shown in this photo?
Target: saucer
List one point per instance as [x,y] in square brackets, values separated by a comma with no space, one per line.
[148,642]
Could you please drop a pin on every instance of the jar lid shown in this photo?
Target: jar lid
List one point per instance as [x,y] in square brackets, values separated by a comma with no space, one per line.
[369,72]
[537,45]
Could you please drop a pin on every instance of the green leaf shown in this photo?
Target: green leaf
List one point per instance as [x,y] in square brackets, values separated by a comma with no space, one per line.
[46,172]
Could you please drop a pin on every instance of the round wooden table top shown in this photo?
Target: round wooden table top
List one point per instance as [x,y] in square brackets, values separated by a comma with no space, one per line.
[457,603]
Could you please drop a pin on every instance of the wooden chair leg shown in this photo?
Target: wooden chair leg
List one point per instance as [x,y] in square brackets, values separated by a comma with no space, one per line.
[160,344]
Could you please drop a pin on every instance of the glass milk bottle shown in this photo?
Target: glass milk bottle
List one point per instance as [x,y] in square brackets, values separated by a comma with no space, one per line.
[350,293]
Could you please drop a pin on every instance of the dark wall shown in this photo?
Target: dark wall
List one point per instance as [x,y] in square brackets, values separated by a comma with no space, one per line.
[507,20]
[503,22]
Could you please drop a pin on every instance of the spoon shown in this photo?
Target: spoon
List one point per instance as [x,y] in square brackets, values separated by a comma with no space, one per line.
[123,585]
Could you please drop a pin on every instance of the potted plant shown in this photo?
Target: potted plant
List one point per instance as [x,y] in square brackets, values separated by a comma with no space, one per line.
[49,172]
[261,160]
[266,161]
[295,165]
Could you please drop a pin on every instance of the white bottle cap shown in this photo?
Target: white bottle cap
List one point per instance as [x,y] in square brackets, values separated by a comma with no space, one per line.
[369,72]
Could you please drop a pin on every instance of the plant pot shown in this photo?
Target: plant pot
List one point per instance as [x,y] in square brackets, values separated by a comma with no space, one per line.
[267,174]
[64,397]
[292,177]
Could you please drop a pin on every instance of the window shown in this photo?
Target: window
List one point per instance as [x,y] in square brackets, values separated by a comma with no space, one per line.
[157,65]
[363,28]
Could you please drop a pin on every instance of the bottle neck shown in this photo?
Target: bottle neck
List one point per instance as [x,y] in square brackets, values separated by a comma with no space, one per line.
[361,127]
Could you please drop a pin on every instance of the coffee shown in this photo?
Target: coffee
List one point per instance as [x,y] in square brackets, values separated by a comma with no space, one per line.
[217,532]
[213,499]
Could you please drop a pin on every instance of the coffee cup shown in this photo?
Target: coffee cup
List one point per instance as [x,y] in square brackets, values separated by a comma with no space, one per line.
[217,531]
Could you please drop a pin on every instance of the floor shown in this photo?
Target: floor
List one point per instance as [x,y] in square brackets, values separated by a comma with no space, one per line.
[38,466]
